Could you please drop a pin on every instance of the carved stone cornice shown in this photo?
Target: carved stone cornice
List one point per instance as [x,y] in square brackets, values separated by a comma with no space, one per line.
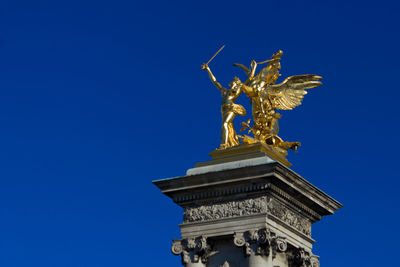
[218,194]
[187,189]
[260,242]
[192,249]
[244,207]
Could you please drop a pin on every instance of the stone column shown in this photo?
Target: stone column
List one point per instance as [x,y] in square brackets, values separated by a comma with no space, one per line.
[195,264]
[260,246]
[255,259]
[194,251]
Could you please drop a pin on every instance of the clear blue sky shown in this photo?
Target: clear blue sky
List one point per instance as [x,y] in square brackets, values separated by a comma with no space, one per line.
[99,98]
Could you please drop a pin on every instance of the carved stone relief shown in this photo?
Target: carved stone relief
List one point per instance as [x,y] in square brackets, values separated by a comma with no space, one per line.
[260,242]
[314,261]
[299,257]
[289,217]
[250,206]
[192,249]
[225,210]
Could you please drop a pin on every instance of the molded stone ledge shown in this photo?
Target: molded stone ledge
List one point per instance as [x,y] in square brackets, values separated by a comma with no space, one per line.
[186,189]
[230,165]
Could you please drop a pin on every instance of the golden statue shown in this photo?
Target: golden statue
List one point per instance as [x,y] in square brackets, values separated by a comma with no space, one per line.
[228,109]
[266,97]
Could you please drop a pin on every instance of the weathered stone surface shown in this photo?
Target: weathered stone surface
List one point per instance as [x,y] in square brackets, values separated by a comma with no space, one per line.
[249,206]
[227,209]
[229,165]
[192,250]
[246,180]
[253,212]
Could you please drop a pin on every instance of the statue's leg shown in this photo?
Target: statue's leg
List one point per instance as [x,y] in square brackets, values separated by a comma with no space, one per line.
[224,139]
[233,138]
[231,135]
[229,130]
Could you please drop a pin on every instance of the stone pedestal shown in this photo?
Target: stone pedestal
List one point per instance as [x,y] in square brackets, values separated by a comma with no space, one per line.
[246,211]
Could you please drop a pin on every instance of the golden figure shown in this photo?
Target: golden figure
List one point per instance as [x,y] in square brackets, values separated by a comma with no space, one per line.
[266,97]
[228,108]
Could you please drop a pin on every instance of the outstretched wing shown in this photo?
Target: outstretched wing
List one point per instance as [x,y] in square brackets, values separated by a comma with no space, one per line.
[289,94]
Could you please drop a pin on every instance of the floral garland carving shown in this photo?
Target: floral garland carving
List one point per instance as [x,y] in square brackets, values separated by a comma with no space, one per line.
[250,206]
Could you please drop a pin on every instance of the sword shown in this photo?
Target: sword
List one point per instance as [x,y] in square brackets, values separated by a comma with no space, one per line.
[215,54]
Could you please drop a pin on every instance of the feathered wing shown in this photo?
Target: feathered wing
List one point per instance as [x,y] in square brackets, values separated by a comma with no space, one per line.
[290,93]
